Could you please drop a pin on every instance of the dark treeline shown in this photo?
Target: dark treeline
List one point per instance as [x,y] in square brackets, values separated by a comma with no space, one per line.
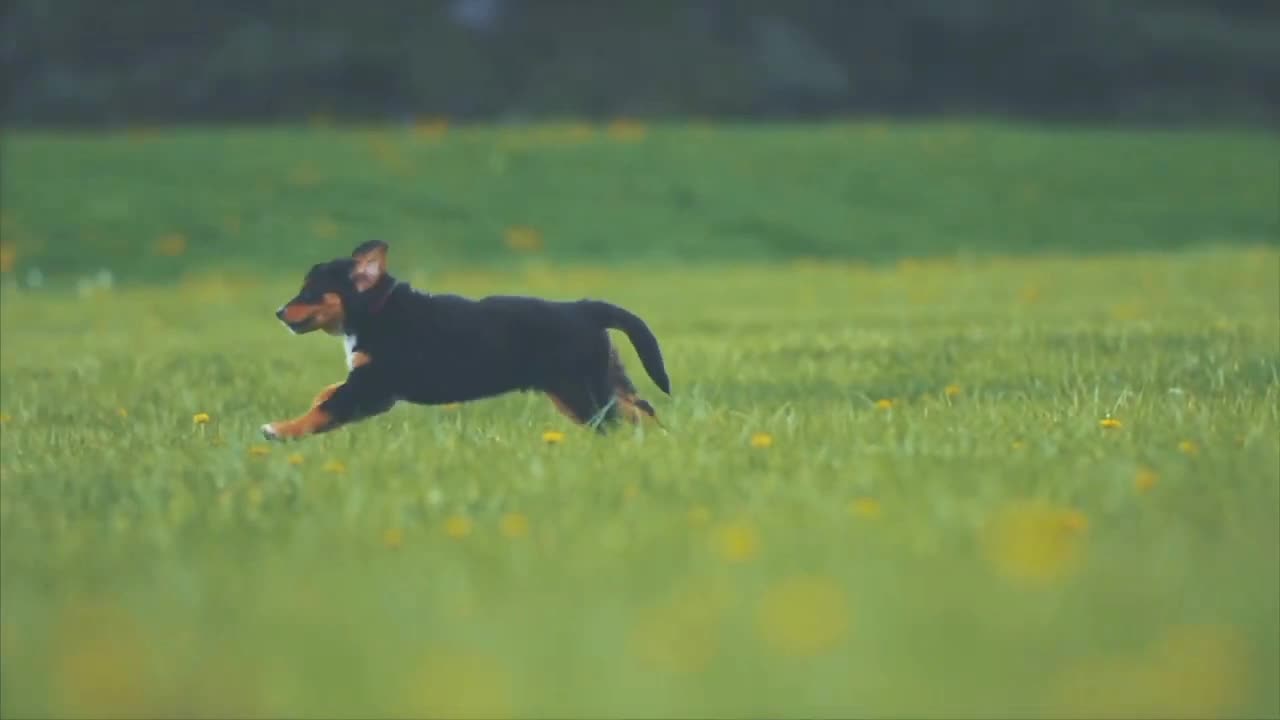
[95,62]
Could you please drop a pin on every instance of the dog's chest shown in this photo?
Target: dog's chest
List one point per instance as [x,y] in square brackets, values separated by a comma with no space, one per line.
[349,349]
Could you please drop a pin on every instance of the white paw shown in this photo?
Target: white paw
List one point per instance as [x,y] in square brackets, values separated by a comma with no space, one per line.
[269,432]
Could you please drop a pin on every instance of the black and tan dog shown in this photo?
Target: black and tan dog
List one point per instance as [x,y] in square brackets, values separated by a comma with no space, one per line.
[403,344]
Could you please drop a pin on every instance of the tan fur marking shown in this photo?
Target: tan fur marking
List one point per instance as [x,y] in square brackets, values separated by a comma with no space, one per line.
[314,420]
[325,394]
[360,359]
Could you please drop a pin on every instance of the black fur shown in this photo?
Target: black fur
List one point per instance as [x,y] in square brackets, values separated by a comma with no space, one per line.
[435,349]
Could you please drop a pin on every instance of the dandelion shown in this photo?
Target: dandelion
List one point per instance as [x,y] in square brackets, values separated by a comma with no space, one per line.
[259,450]
[737,542]
[393,537]
[8,257]
[171,245]
[553,437]
[514,525]
[122,412]
[337,467]
[1109,423]
[200,418]
[865,507]
[884,404]
[803,616]
[1189,448]
[762,440]
[627,130]
[1018,444]
[523,238]
[1144,480]
[5,417]
[457,526]
[295,459]
[1029,294]
[952,391]
[1035,544]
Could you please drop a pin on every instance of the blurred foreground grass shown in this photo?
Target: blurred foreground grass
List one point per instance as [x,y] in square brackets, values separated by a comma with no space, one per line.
[1033,488]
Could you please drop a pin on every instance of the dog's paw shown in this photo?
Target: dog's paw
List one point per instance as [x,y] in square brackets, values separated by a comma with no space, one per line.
[269,432]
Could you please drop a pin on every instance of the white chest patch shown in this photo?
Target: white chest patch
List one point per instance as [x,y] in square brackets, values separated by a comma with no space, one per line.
[349,345]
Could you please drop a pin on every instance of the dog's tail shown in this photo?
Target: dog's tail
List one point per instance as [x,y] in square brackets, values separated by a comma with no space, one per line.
[646,345]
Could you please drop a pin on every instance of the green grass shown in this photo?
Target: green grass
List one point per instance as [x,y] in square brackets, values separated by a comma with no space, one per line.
[941,526]
[282,198]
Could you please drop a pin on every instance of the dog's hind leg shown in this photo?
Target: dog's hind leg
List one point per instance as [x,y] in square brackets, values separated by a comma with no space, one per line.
[586,403]
[632,406]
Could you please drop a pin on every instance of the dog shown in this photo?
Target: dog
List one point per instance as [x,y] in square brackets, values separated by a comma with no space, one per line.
[429,349]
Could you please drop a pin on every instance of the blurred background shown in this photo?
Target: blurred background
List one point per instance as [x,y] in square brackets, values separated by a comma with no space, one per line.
[88,62]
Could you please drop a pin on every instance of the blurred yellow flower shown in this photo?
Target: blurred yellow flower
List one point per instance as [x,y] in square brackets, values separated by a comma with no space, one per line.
[336,467]
[295,459]
[736,542]
[5,417]
[523,238]
[952,390]
[393,537]
[884,404]
[100,662]
[762,440]
[803,616]
[122,412]
[259,450]
[630,492]
[1029,294]
[431,128]
[553,437]
[627,130]
[460,684]
[1035,544]
[682,633]
[1189,447]
[1109,423]
[171,245]
[255,495]
[1145,479]
[514,525]
[867,507]
[8,257]
[457,526]
[200,418]
[1018,444]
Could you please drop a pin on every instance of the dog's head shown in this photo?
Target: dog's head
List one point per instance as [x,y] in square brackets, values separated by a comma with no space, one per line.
[333,291]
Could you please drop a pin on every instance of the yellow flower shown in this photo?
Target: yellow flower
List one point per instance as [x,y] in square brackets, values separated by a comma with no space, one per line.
[515,525]
[460,684]
[952,390]
[737,542]
[762,440]
[553,437]
[523,238]
[259,450]
[884,404]
[335,466]
[699,516]
[8,257]
[1109,423]
[295,459]
[4,417]
[1017,444]
[200,418]
[1035,544]
[431,129]
[627,130]
[630,492]
[255,495]
[1145,480]
[393,537]
[803,616]
[457,526]
[171,245]
[1189,447]
[867,507]
[122,412]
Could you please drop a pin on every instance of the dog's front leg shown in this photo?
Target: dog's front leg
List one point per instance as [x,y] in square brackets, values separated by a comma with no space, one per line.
[361,396]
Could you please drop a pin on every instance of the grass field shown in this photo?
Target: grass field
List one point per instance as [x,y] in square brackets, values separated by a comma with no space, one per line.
[952,482]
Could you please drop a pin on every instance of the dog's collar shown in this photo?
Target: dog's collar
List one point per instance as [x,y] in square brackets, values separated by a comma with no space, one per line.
[376,306]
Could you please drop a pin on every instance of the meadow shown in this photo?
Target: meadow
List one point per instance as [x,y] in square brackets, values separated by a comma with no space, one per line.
[968,420]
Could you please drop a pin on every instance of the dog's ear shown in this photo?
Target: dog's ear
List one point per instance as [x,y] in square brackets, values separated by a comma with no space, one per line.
[371,264]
